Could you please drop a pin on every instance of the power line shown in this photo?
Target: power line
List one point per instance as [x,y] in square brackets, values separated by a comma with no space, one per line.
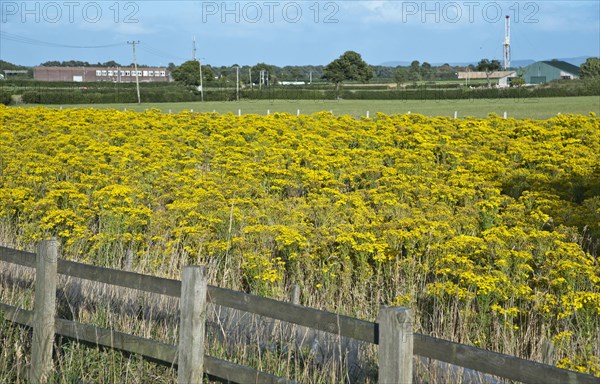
[159,53]
[30,41]
[40,43]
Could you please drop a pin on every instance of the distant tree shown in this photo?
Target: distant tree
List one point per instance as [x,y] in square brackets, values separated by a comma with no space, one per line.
[349,66]
[292,73]
[51,63]
[188,73]
[400,76]
[263,66]
[426,71]
[383,72]
[414,71]
[207,74]
[232,74]
[75,63]
[6,65]
[488,67]
[271,72]
[446,72]
[69,63]
[517,82]
[590,69]
[111,63]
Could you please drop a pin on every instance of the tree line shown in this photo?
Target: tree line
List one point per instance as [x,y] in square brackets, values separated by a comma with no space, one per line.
[78,63]
[348,67]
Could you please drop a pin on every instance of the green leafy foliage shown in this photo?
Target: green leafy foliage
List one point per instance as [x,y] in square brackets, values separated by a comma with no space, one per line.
[348,67]
[590,69]
[188,73]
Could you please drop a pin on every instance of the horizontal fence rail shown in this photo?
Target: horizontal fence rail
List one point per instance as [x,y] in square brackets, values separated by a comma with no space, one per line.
[493,363]
[497,364]
[279,310]
[162,353]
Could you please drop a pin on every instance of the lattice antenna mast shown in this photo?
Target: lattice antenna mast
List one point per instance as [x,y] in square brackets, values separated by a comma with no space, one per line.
[506,45]
[194,48]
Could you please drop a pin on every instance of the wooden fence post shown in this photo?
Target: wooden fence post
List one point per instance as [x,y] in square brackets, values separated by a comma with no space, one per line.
[129,260]
[298,332]
[296,294]
[190,357]
[395,345]
[44,309]
[548,352]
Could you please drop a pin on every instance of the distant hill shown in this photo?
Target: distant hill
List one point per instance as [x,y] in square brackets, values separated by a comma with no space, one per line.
[6,65]
[575,60]
[515,63]
[521,63]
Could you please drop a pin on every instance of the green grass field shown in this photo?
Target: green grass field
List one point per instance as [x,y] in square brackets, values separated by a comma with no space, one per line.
[535,108]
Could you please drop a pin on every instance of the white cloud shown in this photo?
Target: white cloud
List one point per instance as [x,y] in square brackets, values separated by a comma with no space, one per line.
[430,15]
[581,16]
[447,15]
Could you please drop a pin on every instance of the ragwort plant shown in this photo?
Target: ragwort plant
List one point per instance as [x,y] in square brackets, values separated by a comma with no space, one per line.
[487,228]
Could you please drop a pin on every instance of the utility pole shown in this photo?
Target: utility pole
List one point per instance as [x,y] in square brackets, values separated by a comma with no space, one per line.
[237,82]
[201,87]
[264,78]
[250,76]
[199,68]
[137,80]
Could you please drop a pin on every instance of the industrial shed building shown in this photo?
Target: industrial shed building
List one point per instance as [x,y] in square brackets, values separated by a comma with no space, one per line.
[93,74]
[499,78]
[546,71]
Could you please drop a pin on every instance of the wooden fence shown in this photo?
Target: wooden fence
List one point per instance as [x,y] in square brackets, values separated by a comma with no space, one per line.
[393,331]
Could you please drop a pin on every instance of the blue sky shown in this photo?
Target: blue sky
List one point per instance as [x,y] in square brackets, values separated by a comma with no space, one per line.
[295,32]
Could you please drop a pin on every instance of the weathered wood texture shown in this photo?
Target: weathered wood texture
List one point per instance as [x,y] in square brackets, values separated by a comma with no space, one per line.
[498,364]
[395,345]
[165,354]
[44,311]
[320,320]
[239,374]
[17,315]
[15,256]
[192,307]
[119,278]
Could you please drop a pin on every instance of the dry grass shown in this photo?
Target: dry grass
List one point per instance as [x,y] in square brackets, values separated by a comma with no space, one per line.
[265,344]
[283,349]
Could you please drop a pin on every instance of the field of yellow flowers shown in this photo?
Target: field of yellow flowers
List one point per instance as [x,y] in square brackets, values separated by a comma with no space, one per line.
[488,228]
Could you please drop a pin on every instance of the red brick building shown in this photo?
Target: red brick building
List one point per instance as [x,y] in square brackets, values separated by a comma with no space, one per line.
[92,74]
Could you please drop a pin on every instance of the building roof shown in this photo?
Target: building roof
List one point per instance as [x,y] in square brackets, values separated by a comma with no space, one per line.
[563,66]
[93,68]
[481,75]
